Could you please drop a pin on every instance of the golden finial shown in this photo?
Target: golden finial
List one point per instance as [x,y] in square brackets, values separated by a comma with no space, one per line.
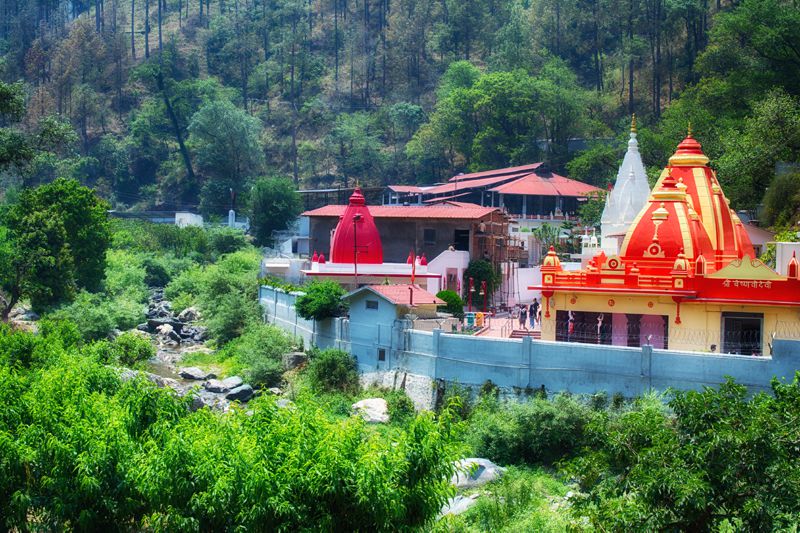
[633,123]
[689,129]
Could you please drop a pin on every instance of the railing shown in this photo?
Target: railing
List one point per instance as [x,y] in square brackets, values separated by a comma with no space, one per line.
[507,328]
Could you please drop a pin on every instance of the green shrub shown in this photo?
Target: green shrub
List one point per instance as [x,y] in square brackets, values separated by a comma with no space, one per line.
[230,315]
[259,351]
[322,299]
[96,316]
[401,408]
[156,271]
[224,240]
[455,305]
[458,399]
[534,432]
[125,276]
[333,370]
[131,348]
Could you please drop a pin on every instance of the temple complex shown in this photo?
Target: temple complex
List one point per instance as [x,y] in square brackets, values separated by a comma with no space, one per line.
[685,276]
[627,198]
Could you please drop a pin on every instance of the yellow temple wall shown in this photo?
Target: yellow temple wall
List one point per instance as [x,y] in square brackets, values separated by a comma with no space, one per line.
[701,323]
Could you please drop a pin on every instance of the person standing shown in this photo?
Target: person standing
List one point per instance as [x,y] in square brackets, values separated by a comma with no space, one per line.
[534,312]
[523,317]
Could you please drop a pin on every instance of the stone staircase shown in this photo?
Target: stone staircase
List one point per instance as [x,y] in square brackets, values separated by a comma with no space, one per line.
[520,333]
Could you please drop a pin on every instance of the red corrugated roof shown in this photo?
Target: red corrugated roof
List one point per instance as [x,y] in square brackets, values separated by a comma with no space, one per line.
[410,211]
[401,295]
[446,198]
[465,185]
[554,185]
[497,172]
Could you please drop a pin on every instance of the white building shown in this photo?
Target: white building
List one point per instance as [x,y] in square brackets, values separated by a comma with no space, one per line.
[627,199]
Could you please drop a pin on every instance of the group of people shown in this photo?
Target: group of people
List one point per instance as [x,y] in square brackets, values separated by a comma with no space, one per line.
[532,312]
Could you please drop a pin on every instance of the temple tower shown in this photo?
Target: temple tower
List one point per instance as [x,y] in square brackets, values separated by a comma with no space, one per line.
[627,199]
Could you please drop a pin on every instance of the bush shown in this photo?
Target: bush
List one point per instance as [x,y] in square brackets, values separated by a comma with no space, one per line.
[230,315]
[322,299]
[130,348]
[535,432]
[333,370]
[224,240]
[96,315]
[458,399]
[259,351]
[401,408]
[455,305]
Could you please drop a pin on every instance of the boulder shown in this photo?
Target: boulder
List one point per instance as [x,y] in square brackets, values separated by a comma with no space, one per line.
[294,359]
[372,410]
[224,385]
[154,323]
[190,314]
[474,472]
[233,382]
[459,504]
[241,393]
[197,403]
[192,372]
[144,328]
[275,390]
[215,385]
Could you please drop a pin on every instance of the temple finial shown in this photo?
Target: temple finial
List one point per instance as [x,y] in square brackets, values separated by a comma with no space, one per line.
[689,129]
[633,123]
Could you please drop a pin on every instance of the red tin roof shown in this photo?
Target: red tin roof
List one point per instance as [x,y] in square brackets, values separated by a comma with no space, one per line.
[523,169]
[401,294]
[473,212]
[536,185]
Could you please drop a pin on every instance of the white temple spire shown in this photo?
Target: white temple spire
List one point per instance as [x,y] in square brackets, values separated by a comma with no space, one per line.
[628,197]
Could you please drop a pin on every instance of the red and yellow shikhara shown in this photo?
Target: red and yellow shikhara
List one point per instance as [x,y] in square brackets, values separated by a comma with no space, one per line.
[685,278]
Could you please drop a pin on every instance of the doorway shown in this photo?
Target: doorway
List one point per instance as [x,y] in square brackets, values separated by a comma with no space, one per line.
[742,333]
[461,240]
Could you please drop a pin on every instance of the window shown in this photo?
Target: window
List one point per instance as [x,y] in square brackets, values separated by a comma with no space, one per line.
[372,304]
[741,333]
[381,354]
[429,236]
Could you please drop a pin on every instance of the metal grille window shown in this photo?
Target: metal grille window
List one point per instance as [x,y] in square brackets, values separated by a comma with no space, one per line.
[372,304]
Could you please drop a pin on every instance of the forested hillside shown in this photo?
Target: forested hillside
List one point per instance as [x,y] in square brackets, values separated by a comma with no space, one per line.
[172,103]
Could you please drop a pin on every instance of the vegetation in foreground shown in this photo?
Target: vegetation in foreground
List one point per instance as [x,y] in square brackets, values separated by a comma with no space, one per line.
[82,449]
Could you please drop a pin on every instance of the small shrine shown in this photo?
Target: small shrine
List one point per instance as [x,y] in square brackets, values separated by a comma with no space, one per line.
[685,276]
[356,256]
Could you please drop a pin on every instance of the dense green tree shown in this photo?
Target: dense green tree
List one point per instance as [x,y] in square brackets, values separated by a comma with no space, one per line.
[225,141]
[274,204]
[480,270]
[85,221]
[36,263]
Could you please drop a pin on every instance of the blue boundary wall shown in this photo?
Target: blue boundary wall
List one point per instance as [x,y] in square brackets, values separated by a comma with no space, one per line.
[527,363]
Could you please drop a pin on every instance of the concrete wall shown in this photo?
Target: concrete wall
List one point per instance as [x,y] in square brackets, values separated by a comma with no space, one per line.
[523,363]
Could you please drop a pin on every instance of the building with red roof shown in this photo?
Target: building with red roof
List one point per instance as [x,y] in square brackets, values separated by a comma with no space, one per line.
[423,229]
[527,192]
[685,277]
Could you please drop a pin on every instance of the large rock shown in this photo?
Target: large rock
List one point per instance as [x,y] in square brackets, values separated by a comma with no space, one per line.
[241,393]
[192,372]
[474,472]
[459,504]
[154,323]
[294,359]
[190,314]
[233,382]
[224,385]
[372,410]
[195,333]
